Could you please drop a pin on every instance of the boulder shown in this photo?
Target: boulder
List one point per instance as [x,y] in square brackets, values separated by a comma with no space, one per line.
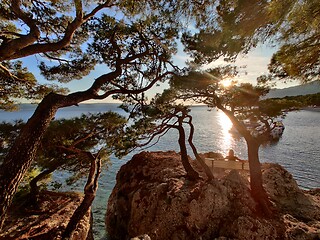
[286,194]
[300,209]
[152,197]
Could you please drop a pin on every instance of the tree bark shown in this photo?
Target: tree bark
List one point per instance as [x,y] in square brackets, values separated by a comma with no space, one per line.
[191,173]
[90,193]
[22,153]
[257,191]
[195,152]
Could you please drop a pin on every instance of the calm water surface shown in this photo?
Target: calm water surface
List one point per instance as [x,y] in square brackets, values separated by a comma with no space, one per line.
[298,150]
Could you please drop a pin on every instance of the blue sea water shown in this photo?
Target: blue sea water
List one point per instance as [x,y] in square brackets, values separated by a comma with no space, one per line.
[298,150]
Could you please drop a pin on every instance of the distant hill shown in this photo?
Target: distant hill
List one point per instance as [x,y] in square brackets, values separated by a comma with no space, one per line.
[308,88]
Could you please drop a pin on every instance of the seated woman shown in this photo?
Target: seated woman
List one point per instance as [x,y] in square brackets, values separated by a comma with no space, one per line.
[232,157]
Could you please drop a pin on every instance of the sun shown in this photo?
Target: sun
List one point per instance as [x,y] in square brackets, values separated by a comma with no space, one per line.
[226,82]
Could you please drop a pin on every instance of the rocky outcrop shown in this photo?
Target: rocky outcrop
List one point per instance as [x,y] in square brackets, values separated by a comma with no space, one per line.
[48,220]
[300,209]
[152,197]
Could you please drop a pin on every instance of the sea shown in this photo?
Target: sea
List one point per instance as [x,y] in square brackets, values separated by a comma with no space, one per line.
[298,149]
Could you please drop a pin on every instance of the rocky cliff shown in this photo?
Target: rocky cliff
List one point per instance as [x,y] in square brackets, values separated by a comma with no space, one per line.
[153,198]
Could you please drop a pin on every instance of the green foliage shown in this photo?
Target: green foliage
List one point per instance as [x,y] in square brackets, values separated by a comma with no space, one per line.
[149,41]
[56,185]
[203,81]
[71,70]
[153,120]
[298,57]
[17,83]
[235,29]
[50,24]
[297,62]
[71,138]
[68,142]
[240,25]
[244,96]
[9,131]
[275,107]
[71,37]
[303,100]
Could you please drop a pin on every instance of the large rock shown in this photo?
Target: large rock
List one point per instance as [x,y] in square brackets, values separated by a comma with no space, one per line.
[152,196]
[300,208]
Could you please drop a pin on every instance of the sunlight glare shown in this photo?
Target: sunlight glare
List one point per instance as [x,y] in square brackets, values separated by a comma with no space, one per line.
[226,125]
[226,82]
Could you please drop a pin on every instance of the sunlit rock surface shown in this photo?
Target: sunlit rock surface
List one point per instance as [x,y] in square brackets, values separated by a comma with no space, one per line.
[153,198]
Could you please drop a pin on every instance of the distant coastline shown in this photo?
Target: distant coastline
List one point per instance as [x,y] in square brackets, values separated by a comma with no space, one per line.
[312,109]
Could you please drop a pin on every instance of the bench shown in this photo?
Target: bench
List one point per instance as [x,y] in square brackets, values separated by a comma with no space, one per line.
[224,163]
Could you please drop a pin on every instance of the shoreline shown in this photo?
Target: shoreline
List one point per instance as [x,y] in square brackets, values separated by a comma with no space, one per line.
[311,109]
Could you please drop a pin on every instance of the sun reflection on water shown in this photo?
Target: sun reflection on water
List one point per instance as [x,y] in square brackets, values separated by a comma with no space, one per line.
[226,124]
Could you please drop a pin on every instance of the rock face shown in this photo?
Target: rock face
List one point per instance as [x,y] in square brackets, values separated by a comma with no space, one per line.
[48,221]
[300,209]
[152,197]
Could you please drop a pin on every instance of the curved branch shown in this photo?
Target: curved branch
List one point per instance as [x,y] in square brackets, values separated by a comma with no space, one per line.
[3,33]
[55,58]
[90,191]
[12,46]
[107,4]
[159,134]
[23,46]
[124,90]
[191,173]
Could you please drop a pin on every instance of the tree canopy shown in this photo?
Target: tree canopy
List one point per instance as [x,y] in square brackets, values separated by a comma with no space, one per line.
[64,36]
[291,26]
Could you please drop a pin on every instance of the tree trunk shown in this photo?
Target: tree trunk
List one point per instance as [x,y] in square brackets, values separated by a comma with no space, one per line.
[191,173]
[22,153]
[90,193]
[195,152]
[24,149]
[257,191]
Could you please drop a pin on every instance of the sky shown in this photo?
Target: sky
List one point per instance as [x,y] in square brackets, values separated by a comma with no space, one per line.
[255,62]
